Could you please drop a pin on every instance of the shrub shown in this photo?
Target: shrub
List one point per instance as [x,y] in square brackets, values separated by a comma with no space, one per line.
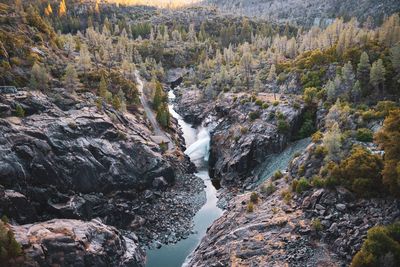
[301,185]
[250,207]
[163,147]
[269,189]
[364,135]
[360,172]
[302,170]
[381,248]
[243,130]
[388,139]
[317,137]
[254,115]
[19,111]
[310,95]
[277,175]
[254,197]
[275,103]
[265,106]
[259,102]
[283,126]
[287,196]
[318,182]
[9,247]
[316,224]
[320,151]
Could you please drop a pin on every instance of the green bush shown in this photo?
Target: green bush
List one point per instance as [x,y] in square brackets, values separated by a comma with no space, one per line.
[265,106]
[287,196]
[254,115]
[320,151]
[269,189]
[19,111]
[360,172]
[317,136]
[259,102]
[299,186]
[364,135]
[381,248]
[9,247]
[283,126]
[316,224]
[277,175]
[250,207]
[275,103]
[254,197]
[318,182]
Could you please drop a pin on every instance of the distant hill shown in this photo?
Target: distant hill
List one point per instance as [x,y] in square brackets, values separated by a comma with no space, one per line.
[309,12]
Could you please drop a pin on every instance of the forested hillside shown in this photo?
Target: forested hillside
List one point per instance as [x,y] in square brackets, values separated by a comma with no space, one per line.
[309,12]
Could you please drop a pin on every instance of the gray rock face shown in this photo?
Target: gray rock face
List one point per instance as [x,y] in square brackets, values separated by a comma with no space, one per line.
[67,160]
[239,143]
[79,149]
[76,243]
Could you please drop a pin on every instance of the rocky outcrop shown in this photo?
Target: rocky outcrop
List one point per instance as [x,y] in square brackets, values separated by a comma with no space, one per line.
[67,160]
[76,243]
[79,149]
[191,105]
[247,133]
[316,227]
[320,227]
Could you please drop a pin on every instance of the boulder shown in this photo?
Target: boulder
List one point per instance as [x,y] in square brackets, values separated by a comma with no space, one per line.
[76,243]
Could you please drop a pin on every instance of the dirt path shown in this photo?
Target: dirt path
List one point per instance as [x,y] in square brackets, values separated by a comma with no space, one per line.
[150,115]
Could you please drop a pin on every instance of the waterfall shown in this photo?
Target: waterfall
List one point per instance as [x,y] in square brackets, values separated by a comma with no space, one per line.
[200,149]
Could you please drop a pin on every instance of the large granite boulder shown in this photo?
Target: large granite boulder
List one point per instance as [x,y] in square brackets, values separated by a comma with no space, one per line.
[76,243]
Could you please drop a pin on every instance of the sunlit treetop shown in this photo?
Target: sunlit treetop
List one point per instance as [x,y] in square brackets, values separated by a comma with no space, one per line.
[157,3]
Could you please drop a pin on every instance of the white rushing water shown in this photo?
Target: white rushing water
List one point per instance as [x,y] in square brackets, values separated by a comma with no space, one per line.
[198,144]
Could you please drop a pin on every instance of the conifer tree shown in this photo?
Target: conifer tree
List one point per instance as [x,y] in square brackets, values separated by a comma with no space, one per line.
[70,78]
[363,71]
[62,11]
[39,77]
[377,75]
[158,96]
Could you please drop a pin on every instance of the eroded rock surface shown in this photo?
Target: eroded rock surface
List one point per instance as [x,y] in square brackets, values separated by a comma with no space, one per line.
[76,243]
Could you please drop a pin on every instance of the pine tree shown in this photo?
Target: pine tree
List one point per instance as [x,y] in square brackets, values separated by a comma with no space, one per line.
[103,88]
[48,10]
[348,79]
[122,99]
[70,78]
[84,58]
[158,96]
[272,73]
[363,71]
[389,140]
[377,75]
[39,77]
[246,63]
[356,92]
[163,116]
[97,7]
[62,11]
[116,102]
[395,59]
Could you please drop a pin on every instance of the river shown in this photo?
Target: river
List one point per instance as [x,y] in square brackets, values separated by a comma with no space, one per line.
[197,142]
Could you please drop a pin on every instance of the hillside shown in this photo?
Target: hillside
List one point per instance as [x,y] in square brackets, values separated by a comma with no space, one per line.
[309,12]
